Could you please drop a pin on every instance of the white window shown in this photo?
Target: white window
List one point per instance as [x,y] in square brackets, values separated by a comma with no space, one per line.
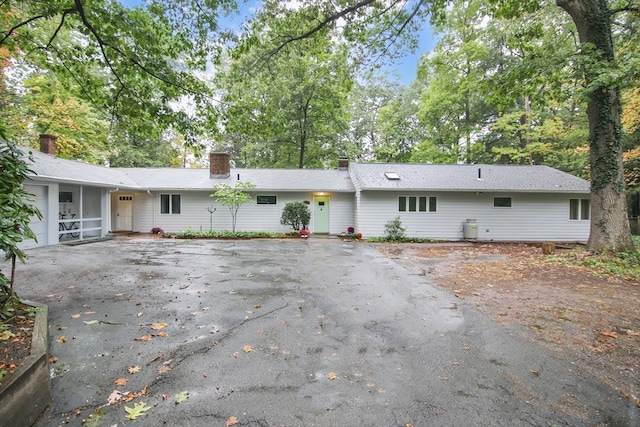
[579,209]
[417,204]
[170,204]
[502,202]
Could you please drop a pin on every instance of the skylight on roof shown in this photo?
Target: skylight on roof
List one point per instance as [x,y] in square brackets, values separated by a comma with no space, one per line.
[392,175]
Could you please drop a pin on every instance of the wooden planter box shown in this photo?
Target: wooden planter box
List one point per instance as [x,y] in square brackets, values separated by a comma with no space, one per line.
[27,392]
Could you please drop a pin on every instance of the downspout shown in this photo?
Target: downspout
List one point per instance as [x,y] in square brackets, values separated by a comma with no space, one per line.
[108,211]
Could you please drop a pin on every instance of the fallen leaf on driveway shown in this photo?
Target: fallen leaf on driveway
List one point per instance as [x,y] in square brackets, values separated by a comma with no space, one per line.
[114,397]
[610,334]
[143,338]
[133,369]
[90,322]
[159,325]
[164,369]
[75,316]
[61,339]
[181,397]
[247,348]
[333,375]
[121,381]
[231,421]
[138,410]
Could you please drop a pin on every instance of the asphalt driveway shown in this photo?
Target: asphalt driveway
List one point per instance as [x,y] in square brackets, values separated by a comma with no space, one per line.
[310,332]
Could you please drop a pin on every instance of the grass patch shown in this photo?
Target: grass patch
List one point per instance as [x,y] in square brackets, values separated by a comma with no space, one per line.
[624,264]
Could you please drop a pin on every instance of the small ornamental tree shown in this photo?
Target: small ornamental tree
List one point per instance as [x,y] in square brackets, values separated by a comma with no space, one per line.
[16,211]
[233,198]
[296,214]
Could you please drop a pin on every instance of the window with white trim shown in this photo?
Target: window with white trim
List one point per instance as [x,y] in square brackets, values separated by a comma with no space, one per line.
[502,202]
[417,204]
[579,209]
[170,204]
[266,200]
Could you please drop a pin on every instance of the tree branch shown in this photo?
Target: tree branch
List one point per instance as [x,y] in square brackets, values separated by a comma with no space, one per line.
[322,24]
[22,24]
[135,62]
[60,25]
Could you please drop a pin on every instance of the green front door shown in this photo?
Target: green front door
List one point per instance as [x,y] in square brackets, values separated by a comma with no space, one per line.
[320,214]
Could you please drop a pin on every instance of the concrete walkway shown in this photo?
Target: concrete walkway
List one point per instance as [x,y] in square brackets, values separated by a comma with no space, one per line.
[314,332]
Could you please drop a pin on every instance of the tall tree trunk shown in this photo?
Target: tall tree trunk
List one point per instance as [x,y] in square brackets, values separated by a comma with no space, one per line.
[609,221]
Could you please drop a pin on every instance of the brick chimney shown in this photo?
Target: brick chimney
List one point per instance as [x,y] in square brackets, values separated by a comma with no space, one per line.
[219,165]
[343,163]
[48,143]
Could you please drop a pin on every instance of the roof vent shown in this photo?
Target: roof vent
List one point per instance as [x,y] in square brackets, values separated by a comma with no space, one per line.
[392,176]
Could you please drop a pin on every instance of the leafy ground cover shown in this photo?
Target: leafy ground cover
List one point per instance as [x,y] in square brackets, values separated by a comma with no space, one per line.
[582,306]
[15,340]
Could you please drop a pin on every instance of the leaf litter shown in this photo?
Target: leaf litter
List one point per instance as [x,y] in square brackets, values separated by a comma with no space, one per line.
[577,313]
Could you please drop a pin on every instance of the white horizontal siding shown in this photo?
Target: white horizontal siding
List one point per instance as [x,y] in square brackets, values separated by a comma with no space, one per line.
[40,227]
[341,212]
[250,216]
[532,217]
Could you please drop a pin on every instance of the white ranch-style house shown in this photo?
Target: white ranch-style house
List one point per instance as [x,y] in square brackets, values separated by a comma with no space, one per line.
[444,202]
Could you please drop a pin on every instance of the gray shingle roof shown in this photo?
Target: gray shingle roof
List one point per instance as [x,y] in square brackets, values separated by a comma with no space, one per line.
[365,176]
[263,179]
[499,178]
[47,166]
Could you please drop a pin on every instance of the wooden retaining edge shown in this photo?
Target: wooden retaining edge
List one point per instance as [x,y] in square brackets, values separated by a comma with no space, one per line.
[27,393]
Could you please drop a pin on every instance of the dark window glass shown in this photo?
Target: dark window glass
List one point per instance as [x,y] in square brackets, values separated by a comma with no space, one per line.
[402,204]
[412,204]
[422,204]
[433,204]
[175,203]
[585,209]
[266,200]
[164,203]
[502,202]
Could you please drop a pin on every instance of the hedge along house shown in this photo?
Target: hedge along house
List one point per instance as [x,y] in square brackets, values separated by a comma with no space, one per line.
[483,202]
[444,202]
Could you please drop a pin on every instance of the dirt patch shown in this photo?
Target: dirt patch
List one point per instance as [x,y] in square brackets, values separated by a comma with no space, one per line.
[590,320]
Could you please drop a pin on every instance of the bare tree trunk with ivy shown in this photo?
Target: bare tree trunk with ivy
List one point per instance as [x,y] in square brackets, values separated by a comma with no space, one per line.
[609,222]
